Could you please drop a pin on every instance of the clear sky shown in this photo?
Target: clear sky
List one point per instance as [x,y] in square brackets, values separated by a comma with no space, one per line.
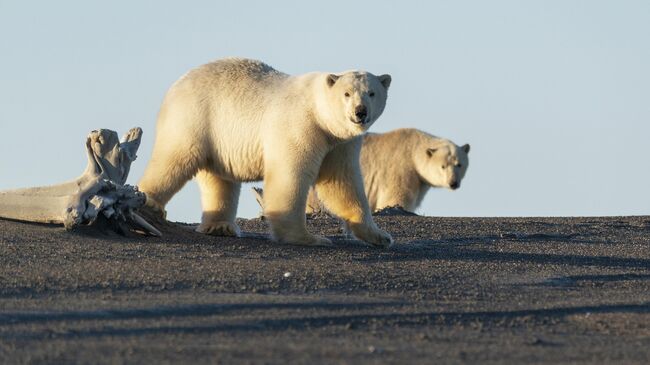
[553,96]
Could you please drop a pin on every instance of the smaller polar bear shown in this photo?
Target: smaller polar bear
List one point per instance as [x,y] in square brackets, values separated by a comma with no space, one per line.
[400,166]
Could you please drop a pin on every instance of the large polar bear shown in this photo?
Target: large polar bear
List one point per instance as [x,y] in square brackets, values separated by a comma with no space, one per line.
[238,120]
[400,166]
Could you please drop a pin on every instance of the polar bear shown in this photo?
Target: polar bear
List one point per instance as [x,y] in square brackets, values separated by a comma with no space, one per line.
[400,166]
[239,120]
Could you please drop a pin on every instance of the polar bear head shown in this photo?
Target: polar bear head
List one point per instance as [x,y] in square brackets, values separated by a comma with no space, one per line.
[352,101]
[443,164]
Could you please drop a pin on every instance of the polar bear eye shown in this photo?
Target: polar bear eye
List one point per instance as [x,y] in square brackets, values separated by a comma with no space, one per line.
[347,94]
[371,94]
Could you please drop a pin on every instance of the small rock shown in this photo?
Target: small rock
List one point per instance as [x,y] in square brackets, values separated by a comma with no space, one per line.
[287,274]
[374,350]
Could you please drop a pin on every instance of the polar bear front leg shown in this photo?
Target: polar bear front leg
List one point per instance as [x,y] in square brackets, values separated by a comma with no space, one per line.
[285,195]
[340,187]
[219,198]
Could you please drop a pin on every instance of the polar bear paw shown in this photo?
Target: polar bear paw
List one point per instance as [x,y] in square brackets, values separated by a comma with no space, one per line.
[372,235]
[220,228]
[310,240]
[305,240]
[154,208]
[320,241]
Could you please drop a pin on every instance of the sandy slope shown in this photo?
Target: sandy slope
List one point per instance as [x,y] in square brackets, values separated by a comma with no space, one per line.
[454,290]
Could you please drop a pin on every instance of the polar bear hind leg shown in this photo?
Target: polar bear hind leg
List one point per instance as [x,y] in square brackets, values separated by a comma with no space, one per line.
[219,198]
[167,172]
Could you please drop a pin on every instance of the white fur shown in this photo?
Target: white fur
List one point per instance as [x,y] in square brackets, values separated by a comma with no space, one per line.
[400,166]
[236,120]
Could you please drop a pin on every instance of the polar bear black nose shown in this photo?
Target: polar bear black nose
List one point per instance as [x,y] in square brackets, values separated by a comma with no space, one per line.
[361,112]
[454,185]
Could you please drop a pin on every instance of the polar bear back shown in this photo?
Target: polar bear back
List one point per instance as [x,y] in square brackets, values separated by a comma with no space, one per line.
[221,107]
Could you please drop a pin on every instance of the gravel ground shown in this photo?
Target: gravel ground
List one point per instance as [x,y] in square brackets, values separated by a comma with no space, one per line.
[452,290]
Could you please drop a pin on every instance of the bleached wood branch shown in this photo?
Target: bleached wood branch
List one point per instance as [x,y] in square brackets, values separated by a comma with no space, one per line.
[99,192]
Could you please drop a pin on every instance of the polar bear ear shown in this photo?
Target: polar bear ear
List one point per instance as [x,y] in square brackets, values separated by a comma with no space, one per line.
[431,151]
[466,148]
[385,80]
[331,79]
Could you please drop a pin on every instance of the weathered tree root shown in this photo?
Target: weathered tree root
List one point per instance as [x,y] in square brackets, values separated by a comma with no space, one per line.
[100,189]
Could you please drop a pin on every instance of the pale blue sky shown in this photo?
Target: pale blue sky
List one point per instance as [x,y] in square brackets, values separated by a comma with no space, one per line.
[553,96]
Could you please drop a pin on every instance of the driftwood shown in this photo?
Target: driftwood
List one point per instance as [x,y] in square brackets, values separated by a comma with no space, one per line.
[99,194]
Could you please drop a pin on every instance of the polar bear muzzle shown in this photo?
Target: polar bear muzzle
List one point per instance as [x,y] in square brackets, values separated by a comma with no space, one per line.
[360,115]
